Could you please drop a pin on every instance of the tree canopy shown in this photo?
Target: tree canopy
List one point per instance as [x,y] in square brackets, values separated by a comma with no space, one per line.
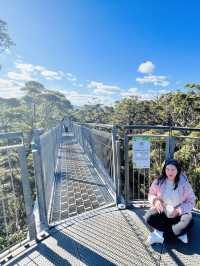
[5,40]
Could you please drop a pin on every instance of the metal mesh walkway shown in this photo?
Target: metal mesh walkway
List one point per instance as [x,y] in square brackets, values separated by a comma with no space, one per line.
[101,237]
[108,237]
[78,187]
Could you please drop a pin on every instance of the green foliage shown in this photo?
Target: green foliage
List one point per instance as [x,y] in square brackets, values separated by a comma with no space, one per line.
[16,237]
[198,204]
[193,86]
[93,114]
[179,109]
[39,108]
[5,40]
[176,109]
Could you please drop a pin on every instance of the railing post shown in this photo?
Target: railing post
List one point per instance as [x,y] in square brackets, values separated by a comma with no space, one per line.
[39,178]
[40,189]
[114,133]
[126,169]
[27,194]
[82,132]
[92,148]
[170,145]
[118,174]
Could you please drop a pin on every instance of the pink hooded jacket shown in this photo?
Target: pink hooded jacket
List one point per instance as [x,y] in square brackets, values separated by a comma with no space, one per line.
[185,190]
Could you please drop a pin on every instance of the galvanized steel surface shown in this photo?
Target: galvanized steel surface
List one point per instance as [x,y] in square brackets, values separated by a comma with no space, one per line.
[78,187]
[109,237]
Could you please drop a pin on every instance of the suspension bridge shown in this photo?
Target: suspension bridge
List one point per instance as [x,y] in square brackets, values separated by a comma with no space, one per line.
[88,204]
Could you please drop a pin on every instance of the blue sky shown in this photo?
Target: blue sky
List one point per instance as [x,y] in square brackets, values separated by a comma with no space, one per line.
[101,51]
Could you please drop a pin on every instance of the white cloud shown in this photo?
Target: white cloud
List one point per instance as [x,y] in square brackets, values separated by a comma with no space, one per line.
[69,75]
[146,67]
[155,80]
[77,98]
[163,91]
[19,76]
[101,88]
[48,74]
[10,89]
[25,67]
[24,72]
[39,68]
[29,71]
[130,92]
[72,79]
[147,95]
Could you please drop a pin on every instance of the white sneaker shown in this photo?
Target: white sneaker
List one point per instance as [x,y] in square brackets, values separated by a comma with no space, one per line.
[160,233]
[155,237]
[183,238]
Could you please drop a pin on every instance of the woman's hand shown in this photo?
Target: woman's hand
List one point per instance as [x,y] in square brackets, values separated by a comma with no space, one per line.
[175,213]
[158,204]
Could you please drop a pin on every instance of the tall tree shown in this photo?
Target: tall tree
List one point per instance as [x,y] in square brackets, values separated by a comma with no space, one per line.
[126,111]
[193,86]
[53,107]
[33,90]
[5,40]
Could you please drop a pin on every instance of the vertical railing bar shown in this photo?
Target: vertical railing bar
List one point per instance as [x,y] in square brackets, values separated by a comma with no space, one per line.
[144,185]
[40,188]
[14,193]
[27,194]
[133,179]
[5,218]
[118,175]
[114,132]
[126,169]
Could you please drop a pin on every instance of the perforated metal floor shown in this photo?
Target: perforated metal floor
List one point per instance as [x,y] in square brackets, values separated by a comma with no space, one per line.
[100,237]
[108,237]
[78,188]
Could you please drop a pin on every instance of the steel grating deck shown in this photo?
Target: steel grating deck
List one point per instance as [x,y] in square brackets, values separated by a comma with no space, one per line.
[78,188]
[108,237]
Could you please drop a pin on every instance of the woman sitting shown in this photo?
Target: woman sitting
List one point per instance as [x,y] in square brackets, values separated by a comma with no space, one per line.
[172,200]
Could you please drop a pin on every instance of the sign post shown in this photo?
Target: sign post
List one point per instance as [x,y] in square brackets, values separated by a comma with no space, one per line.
[141,152]
[141,160]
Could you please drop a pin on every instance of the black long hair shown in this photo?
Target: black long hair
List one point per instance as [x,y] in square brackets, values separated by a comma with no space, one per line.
[163,175]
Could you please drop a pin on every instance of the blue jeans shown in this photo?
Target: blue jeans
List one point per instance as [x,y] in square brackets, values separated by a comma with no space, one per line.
[172,227]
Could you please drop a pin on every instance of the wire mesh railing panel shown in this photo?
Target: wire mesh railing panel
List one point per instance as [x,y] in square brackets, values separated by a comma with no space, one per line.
[11,138]
[87,141]
[49,145]
[135,185]
[13,220]
[97,144]
[141,179]
[102,145]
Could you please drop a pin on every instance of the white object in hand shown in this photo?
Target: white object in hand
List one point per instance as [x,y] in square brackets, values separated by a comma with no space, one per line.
[169,210]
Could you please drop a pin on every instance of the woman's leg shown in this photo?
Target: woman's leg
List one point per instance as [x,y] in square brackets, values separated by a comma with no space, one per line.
[157,220]
[184,224]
